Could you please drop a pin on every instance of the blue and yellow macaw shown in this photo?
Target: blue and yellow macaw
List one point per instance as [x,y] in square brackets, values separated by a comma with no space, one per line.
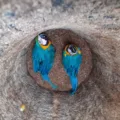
[72,59]
[43,55]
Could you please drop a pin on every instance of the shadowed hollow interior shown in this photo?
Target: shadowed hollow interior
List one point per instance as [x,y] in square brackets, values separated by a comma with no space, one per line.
[60,38]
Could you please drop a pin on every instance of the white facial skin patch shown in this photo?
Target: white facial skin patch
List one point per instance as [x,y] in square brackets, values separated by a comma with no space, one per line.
[71,53]
[42,41]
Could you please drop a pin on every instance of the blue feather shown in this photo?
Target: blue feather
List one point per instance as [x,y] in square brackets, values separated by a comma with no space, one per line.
[46,78]
[35,65]
[43,60]
[74,83]
[72,66]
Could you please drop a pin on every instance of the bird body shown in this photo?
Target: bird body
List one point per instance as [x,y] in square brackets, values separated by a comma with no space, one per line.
[43,55]
[72,60]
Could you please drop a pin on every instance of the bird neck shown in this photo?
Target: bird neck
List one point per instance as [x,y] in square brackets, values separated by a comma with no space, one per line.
[46,46]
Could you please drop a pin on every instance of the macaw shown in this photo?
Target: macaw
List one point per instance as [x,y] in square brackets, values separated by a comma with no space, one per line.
[71,60]
[43,54]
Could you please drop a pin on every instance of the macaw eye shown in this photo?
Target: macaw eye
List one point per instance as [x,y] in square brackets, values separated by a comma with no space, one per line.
[42,36]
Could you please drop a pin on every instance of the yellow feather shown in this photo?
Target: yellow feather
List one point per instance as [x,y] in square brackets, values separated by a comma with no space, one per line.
[79,51]
[65,54]
[45,47]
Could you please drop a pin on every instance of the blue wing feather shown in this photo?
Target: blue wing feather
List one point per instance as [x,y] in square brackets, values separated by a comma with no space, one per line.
[47,60]
[43,59]
[35,59]
[43,62]
[74,83]
[72,66]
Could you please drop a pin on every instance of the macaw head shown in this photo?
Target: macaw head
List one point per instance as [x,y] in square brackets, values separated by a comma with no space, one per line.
[72,50]
[43,39]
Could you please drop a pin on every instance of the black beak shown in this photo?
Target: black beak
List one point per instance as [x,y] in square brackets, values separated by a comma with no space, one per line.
[72,48]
